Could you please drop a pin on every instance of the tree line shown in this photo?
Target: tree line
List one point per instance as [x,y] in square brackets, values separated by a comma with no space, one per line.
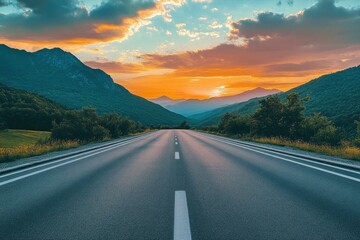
[283,119]
[23,110]
[87,125]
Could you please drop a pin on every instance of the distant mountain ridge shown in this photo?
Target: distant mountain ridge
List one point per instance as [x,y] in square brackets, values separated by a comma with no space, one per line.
[192,107]
[165,101]
[335,95]
[61,77]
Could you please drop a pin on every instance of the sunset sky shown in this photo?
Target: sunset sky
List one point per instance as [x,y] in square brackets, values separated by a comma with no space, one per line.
[193,48]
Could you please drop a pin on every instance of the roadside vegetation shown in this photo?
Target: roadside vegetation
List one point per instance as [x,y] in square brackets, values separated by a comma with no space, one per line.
[10,138]
[76,127]
[52,127]
[285,124]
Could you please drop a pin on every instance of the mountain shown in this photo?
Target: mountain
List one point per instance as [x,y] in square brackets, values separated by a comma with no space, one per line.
[23,110]
[165,101]
[192,107]
[335,95]
[60,76]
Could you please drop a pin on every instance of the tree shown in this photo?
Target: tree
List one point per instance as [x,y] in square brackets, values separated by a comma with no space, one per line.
[2,124]
[319,129]
[293,115]
[118,125]
[239,125]
[184,125]
[269,116]
[224,121]
[357,138]
[80,124]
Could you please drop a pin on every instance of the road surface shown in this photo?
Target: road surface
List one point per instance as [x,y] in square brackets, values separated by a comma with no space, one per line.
[177,184]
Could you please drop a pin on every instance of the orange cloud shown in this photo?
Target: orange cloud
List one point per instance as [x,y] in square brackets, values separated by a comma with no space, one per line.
[117,67]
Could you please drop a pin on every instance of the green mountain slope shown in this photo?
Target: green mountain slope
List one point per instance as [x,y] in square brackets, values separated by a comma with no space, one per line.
[335,95]
[23,110]
[60,76]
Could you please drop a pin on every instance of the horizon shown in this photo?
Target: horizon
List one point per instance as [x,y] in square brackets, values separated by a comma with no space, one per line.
[195,49]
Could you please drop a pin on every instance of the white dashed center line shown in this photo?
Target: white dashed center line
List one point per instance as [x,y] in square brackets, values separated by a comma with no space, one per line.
[181,217]
[177,155]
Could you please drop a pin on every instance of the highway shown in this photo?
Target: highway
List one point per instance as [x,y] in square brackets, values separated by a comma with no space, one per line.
[180,184]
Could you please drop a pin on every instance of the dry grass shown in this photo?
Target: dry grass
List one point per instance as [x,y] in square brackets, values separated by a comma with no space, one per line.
[29,150]
[346,150]
[343,151]
[22,147]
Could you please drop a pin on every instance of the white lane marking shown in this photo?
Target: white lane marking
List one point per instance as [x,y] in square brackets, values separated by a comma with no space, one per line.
[176,143]
[59,165]
[301,159]
[288,160]
[177,155]
[181,217]
[70,157]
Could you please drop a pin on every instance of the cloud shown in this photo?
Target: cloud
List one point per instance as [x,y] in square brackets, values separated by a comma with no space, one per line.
[153,28]
[70,21]
[180,25]
[196,35]
[215,25]
[323,24]
[321,38]
[116,67]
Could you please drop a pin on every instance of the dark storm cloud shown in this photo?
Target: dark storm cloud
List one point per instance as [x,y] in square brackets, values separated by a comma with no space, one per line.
[323,23]
[68,19]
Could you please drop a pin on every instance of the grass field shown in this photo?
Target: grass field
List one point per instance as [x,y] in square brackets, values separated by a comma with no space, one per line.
[13,138]
[16,144]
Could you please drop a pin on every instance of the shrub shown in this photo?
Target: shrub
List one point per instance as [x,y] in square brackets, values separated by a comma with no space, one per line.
[117,125]
[319,130]
[184,125]
[80,124]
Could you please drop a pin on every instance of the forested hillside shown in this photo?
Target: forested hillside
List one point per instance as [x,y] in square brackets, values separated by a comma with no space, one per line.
[335,95]
[60,76]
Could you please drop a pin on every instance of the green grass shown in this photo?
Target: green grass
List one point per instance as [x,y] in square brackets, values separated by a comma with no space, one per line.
[14,138]
[16,144]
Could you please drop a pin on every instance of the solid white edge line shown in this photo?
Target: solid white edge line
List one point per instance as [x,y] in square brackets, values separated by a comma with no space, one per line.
[177,155]
[181,217]
[288,160]
[299,158]
[70,157]
[59,165]
[60,160]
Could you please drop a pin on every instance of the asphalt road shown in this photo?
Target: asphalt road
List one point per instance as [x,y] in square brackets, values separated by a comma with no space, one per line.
[180,185]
